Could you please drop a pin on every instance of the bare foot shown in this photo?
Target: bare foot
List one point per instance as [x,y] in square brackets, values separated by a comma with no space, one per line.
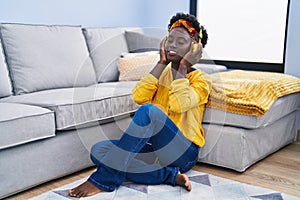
[84,190]
[184,181]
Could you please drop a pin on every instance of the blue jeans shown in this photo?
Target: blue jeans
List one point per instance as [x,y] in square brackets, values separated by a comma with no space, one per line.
[152,150]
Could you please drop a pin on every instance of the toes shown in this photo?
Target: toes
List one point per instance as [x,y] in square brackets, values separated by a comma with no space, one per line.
[189,187]
[71,193]
[75,193]
[81,194]
[184,181]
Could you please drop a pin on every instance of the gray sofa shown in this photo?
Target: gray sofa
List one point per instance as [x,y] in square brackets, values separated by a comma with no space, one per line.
[60,94]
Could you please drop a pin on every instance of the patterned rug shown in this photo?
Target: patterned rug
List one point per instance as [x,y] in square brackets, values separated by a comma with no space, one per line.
[204,187]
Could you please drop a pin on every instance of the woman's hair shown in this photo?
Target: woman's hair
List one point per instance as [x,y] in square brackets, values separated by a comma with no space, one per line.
[194,22]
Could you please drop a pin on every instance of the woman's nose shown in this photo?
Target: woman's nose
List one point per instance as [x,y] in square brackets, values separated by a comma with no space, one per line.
[172,44]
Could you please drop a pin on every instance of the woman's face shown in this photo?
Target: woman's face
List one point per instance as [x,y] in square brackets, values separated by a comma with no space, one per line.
[178,44]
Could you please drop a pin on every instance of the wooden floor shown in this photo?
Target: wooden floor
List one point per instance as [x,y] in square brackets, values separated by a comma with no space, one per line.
[279,171]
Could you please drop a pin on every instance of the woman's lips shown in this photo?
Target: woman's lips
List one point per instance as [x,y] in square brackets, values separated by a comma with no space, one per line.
[172,53]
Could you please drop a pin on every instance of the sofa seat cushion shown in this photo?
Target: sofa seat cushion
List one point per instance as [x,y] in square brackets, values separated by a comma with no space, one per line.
[80,107]
[282,107]
[24,123]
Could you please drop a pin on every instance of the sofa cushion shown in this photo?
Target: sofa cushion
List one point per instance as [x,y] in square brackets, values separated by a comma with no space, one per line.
[282,107]
[138,42]
[210,68]
[105,46]
[43,57]
[5,84]
[133,68]
[81,107]
[24,123]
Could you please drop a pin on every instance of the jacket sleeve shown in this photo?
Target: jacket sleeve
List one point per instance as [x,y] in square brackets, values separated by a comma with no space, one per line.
[145,89]
[189,92]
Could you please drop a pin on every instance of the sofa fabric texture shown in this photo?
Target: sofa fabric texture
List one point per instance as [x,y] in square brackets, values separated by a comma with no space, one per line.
[210,68]
[44,57]
[105,46]
[76,107]
[22,123]
[133,68]
[282,107]
[5,83]
[238,148]
[138,42]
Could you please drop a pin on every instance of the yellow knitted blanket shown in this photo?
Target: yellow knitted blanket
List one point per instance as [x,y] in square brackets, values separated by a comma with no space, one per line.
[248,92]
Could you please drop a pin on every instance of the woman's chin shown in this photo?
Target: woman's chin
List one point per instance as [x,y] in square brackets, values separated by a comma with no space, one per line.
[174,58]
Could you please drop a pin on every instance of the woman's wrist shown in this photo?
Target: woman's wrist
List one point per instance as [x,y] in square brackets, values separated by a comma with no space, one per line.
[162,62]
[182,71]
[157,70]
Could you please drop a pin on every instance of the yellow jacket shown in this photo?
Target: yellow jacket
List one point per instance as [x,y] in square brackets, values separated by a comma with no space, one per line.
[183,100]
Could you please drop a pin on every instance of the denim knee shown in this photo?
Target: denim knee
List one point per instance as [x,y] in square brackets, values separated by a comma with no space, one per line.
[141,116]
[99,149]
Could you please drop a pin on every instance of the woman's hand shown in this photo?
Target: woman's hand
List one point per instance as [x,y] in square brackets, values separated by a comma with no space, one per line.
[192,56]
[163,54]
[163,61]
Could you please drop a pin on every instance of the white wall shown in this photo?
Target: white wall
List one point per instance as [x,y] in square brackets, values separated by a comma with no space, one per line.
[74,12]
[159,12]
[92,13]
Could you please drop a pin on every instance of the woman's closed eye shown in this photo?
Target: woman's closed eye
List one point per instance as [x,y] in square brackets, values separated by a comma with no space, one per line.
[179,41]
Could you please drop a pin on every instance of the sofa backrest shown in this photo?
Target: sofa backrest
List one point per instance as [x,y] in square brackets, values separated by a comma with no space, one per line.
[41,57]
[5,84]
[105,46]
